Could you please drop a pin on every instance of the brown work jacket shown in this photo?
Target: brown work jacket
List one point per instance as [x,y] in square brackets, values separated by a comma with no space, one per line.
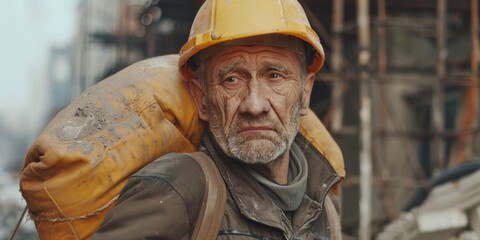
[162,201]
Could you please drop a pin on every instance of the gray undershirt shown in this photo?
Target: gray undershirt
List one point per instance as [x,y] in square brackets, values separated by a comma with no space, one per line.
[287,197]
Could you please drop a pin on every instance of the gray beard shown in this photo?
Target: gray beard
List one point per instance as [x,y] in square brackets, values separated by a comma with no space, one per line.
[255,150]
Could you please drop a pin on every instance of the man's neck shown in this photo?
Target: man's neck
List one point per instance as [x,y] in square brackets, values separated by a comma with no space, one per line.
[277,170]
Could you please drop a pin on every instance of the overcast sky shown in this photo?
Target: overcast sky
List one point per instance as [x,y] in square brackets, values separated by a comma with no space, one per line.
[28,29]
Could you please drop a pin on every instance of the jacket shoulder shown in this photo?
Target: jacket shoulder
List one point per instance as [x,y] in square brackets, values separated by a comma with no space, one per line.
[160,201]
[179,170]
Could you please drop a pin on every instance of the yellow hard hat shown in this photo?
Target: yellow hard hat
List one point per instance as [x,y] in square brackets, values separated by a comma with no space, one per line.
[219,21]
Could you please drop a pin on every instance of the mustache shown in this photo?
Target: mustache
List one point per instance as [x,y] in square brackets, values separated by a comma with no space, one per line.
[245,122]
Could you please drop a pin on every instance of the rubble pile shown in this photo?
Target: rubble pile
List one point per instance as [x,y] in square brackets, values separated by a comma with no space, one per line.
[450,212]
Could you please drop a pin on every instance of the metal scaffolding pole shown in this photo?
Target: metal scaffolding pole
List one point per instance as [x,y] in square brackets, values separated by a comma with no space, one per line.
[474,66]
[438,96]
[365,114]
[380,144]
[382,40]
[466,120]
[337,65]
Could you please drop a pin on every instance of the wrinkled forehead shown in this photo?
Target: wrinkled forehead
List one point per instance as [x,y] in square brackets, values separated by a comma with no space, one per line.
[248,53]
[280,42]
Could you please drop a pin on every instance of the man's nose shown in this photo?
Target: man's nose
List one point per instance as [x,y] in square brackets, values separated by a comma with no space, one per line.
[255,102]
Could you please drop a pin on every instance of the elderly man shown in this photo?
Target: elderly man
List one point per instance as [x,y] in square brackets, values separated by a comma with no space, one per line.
[250,66]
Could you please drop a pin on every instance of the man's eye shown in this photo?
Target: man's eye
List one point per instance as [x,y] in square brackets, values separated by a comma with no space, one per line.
[275,75]
[232,79]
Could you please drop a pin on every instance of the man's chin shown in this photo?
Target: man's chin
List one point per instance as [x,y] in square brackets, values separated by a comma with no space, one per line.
[258,151]
[254,159]
[258,145]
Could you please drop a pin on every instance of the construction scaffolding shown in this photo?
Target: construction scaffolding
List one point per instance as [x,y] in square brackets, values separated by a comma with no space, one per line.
[377,120]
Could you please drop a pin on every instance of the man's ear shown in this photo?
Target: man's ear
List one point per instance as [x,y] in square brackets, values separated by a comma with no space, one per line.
[307,92]
[199,97]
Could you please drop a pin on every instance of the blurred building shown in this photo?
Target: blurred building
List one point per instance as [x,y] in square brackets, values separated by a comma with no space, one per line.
[112,35]
[410,67]
[12,146]
[60,78]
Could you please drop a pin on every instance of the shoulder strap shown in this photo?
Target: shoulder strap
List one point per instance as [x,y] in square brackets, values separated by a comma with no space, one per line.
[333,216]
[214,200]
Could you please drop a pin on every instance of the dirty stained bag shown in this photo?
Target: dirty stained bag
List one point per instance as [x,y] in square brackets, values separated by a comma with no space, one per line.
[76,168]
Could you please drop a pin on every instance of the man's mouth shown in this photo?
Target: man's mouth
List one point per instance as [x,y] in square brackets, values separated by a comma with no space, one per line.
[255,129]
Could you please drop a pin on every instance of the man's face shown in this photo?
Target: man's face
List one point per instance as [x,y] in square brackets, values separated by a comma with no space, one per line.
[253,102]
